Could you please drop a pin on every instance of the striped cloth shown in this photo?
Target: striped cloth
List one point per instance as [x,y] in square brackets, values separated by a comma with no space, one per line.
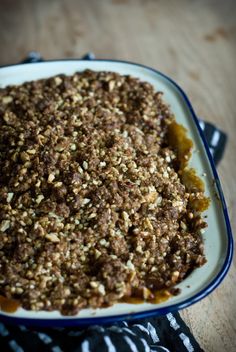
[168,333]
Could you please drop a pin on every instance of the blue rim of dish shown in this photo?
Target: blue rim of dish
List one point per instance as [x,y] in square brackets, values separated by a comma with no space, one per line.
[156,311]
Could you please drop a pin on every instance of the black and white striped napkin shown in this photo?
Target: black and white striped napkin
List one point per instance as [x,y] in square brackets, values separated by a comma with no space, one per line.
[167,333]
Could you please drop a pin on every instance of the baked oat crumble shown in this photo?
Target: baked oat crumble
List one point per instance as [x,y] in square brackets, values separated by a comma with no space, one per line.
[93,208]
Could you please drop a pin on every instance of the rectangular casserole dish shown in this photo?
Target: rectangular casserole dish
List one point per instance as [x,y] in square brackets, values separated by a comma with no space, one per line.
[218,241]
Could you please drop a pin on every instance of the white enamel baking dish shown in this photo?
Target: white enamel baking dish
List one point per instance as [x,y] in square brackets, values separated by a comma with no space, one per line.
[217,237]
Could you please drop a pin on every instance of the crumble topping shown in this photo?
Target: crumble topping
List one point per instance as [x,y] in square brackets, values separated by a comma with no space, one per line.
[93,209]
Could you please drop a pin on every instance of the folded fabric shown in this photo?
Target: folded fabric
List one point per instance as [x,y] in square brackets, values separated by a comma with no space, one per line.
[167,333]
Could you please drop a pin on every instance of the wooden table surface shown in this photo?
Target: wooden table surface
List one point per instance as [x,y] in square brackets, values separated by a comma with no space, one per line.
[194,42]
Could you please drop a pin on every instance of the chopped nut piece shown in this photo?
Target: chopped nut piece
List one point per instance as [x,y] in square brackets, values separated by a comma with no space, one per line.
[125,216]
[93,215]
[148,224]
[10,195]
[58,80]
[111,85]
[73,146]
[146,293]
[85,165]
[168,159]
[130,265]
[139,249]
[151,197]
[51,177]
[58,184]
[86,201]
[52,237]
[31,151]
[7,100]
[93,284]
[60,147]
[183,225]
[175,276]
[5,224]
[101,289]
[97,254]
[39,198]
[152,169]
[103,242]
[165,174]
[24,156]
[19,290]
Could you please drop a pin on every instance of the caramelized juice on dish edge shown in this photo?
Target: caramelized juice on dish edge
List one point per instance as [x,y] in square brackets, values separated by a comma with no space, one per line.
[8,305]
[157,297]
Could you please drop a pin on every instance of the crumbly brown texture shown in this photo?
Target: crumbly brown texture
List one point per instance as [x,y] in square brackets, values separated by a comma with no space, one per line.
[92,207]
